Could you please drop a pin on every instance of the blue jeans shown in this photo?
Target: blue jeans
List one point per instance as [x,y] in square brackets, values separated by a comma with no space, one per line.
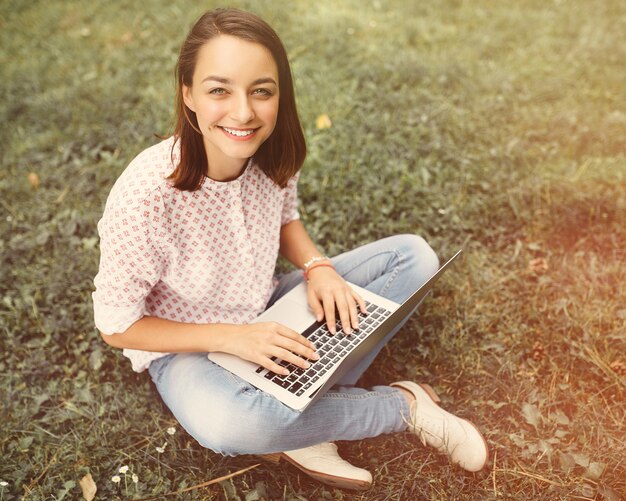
[230,416]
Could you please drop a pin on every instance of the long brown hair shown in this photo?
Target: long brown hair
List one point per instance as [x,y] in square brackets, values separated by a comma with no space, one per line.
[283,153]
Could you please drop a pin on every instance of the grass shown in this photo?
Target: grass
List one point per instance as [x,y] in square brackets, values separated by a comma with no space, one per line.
[498,126]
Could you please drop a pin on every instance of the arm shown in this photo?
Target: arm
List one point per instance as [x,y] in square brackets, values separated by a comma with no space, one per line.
[296,244]
[161,335]
[255,342]
[326,289]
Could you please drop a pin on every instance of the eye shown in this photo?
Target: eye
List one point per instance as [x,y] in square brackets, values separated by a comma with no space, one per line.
[263,92]
[218,91]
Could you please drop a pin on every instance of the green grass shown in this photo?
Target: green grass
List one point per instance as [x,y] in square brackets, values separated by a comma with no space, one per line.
[499,126]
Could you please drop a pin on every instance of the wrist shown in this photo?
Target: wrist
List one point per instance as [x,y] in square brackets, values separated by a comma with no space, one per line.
[218,336]
[319,264]
[313,260]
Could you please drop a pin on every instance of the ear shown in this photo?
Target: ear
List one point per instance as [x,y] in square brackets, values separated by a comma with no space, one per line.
[188,98]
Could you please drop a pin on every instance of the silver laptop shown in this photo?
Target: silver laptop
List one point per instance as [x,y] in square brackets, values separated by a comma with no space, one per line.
[338,353]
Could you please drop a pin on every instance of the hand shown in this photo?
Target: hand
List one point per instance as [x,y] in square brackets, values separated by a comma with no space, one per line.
[328,291]
[259,342]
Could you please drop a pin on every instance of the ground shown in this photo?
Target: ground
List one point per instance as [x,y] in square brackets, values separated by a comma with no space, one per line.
[499,127]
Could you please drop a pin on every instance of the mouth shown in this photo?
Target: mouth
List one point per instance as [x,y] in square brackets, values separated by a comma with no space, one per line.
[240,134]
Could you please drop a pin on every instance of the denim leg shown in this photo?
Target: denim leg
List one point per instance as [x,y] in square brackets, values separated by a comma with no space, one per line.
[231,417]
[393,267]
[228,415]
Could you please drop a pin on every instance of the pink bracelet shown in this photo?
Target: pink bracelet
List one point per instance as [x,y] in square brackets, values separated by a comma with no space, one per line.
[315,265]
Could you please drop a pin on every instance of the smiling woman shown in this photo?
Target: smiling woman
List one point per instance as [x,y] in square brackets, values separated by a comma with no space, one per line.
[189,241]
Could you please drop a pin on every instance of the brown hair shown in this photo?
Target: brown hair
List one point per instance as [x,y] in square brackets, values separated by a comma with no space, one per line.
[282,154]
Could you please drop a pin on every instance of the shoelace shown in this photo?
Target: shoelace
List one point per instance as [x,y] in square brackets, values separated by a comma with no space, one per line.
[422,433]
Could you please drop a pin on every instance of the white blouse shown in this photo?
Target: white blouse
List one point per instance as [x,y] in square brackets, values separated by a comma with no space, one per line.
[206,256]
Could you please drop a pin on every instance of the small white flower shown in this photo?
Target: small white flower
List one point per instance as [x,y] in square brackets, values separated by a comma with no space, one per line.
[123,469]
[3,483]
[171,430]
[162,449]
[116,479]
[135,478]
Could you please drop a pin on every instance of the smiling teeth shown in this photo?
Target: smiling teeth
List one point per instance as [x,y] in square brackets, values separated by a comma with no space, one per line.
[239,133]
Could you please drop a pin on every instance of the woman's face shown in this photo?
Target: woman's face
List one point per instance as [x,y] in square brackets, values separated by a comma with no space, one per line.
[235,96]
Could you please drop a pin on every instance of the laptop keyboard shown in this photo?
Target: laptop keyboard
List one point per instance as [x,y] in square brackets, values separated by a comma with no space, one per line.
[331,349]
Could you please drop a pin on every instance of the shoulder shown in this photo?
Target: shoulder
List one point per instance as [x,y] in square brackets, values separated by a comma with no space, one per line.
[145,178]
[150,168]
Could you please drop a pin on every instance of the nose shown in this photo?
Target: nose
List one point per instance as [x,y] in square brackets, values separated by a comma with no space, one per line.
[242,110]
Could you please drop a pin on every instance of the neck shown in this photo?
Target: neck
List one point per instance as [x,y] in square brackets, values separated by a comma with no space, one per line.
[224,173]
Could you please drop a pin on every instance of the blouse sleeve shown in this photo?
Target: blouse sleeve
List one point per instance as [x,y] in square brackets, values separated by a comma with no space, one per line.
[130,262]
[290,204]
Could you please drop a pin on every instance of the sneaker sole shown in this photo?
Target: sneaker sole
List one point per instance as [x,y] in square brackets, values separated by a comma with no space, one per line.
[335,481]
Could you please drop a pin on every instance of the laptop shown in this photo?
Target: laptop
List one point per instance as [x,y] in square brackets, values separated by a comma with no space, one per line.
[338,353]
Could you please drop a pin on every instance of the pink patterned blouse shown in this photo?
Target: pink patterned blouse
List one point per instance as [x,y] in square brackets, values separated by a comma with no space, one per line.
[206,256]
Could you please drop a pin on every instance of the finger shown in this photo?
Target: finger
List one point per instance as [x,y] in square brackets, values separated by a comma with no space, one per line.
[354,312]
[295,341]
[329,313]
[290,357]
[270,365]
[316,306]
[305,348]
[288,333]
[344,313]
[360,301]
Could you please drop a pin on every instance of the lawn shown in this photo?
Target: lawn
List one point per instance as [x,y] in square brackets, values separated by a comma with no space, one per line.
[499,127]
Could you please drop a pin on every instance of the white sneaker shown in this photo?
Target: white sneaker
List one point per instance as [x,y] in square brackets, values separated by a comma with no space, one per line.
[447,433]
[323,463]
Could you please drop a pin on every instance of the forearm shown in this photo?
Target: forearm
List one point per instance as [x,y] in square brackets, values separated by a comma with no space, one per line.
[260,343]
[296,244]
[161,335]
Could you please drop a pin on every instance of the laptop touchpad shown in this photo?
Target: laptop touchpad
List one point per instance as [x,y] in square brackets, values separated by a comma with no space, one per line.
[292,314]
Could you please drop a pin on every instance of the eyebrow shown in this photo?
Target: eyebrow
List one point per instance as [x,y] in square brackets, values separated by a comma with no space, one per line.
[228,81]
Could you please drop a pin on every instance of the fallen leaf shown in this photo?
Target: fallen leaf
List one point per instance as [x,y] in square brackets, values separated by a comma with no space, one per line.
[323,122]
[34,180]
[588,491]
[24,443]
[560,418]
[88,486]
[95,359]
[566,462]
[531,414]
[253,495]
[595,470]
[581,459]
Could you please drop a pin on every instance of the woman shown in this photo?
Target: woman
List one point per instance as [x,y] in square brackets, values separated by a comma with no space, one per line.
[189,241]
